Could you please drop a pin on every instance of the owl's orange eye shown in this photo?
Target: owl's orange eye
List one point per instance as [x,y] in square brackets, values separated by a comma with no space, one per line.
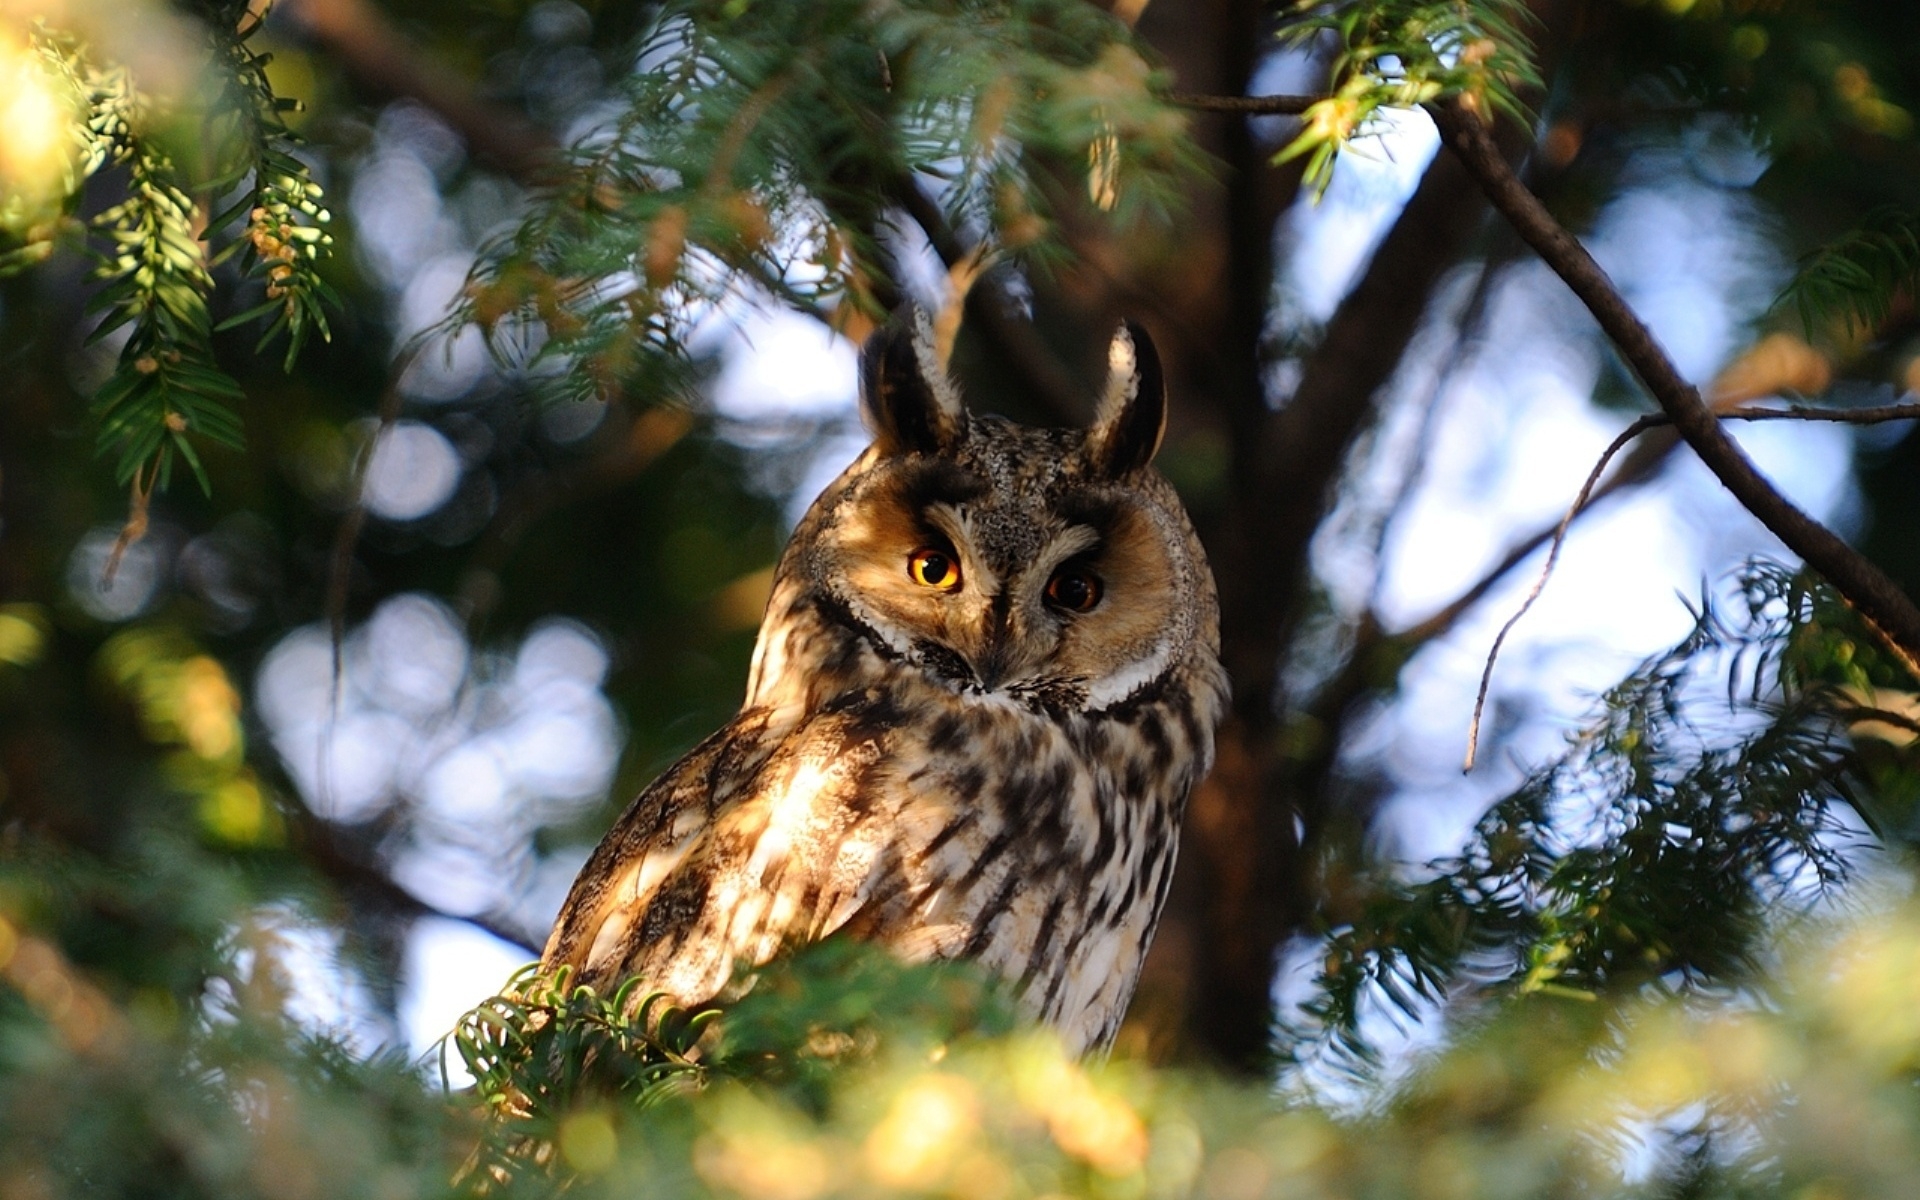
[1075,589]
[934,568]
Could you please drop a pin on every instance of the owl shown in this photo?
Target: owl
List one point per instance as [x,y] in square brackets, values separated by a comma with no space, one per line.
[987,679]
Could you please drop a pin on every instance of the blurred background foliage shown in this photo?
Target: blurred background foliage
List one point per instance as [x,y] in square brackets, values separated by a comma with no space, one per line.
[404,406]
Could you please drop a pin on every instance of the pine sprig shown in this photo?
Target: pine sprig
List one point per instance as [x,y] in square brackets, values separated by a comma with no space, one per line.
[544,1046]
[763,151]
[1856,279]
[1650,854]
[546,1049]
[1396,54]
[167,396]
[165,385]
[285,238]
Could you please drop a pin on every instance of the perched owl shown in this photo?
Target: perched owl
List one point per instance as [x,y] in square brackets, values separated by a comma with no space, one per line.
[987,679]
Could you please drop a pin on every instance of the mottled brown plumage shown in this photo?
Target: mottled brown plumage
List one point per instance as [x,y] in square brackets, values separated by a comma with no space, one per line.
[987,679]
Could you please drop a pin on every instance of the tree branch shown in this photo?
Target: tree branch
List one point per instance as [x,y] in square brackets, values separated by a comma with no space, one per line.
[1878,415]
[1868,589]
[1287,462]
[351,872]
[1794,412]
[346,538]
[1257,106]
[1636,470]
[1469,333]
[383,60]
[1018,342]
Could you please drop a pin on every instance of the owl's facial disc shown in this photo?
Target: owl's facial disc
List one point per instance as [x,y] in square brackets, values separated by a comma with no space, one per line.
[1041,591]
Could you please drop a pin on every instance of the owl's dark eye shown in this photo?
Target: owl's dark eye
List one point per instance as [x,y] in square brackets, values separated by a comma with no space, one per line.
[934,568]
[1075,589]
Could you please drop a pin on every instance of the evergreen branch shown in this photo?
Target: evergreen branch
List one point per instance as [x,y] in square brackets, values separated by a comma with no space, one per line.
[543,1046]
[1397,54]
[545,1049]
[165,385]
[1859,277]
[1253,106]
[1649,853]
[284,237]
[755,161]
[167,396]
[1864,585]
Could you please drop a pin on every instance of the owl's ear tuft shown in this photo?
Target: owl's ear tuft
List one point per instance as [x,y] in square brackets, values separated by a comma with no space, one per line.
[905,396]
[1132,415]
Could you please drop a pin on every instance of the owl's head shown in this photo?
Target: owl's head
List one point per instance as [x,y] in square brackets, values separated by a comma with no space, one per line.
[1047,566]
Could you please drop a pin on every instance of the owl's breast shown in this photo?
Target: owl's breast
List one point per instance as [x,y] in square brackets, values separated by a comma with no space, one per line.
[1039,845]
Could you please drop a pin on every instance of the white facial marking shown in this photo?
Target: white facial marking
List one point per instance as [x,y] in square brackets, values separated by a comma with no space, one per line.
[1123,683]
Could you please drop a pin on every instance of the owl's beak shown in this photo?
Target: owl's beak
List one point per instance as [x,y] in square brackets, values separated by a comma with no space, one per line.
[991,665]
[990,672]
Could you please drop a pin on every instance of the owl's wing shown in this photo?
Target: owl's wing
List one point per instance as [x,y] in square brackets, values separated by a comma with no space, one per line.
[740,846]
[615,877]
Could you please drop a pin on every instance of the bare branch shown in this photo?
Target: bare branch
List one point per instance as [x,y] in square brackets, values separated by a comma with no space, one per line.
[351,872]
[1286,462]
[1793,412]
[1469,332]
[1868,589]
[1294,105]
[990,310]
[1259,106]
[1807,412]
[383,60]
[1637,469]
[1546,571]
[347,537]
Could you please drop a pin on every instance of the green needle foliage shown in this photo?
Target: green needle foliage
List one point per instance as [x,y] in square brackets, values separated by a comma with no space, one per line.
[1855,280]
[167,392]
[165,386]
[1640,959]
[285,233]
[1661,851]
[758,147]
[543,1051]
[1403,53]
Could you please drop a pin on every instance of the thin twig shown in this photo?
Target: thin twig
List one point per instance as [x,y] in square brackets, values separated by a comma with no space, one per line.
[327,852]
[1858,580]
[1259,106]
[340,568]
[1792,412]
[1805,412]
[1468,334]
[1295,105]
[139,504]
[1546,571]
[1443,619]
[347,537]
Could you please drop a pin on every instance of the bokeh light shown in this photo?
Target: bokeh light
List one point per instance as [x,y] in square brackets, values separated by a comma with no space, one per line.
[462,755]
[413,471]
[137,580]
